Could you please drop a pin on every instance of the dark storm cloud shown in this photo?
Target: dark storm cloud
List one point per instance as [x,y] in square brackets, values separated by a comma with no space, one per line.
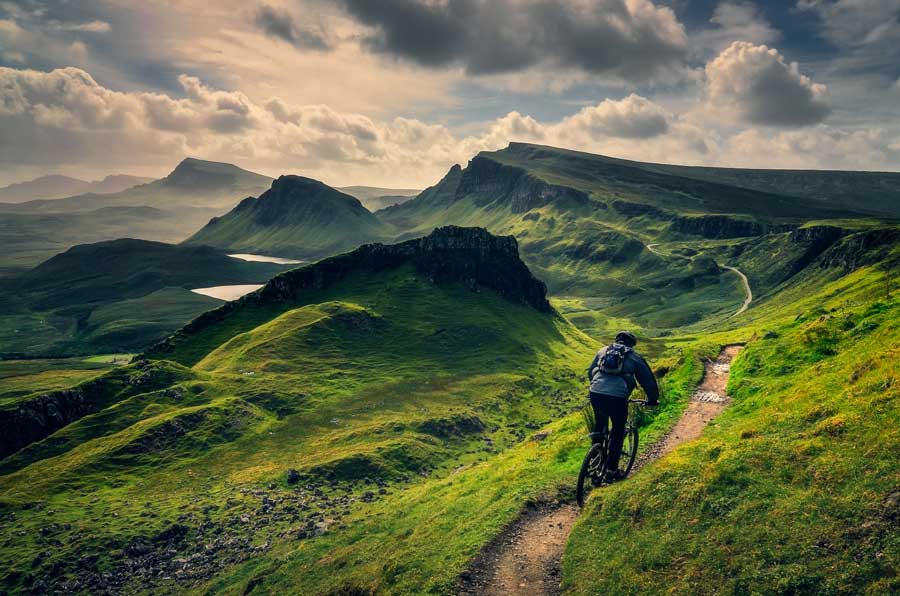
[635,41]
[280,24]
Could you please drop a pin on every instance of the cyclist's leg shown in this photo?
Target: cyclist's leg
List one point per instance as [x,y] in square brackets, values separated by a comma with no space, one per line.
[600,415]
[617,409]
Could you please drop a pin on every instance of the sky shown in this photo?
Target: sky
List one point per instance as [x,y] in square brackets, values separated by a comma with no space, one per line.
[394,92]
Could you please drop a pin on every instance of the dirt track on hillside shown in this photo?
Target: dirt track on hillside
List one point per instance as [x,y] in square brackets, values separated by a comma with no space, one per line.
[524,560]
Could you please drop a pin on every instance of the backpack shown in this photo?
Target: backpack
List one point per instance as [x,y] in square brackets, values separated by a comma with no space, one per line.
[612,361]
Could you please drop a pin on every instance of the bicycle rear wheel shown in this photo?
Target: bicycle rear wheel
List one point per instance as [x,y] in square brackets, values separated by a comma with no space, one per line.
[629,450]
[591,474]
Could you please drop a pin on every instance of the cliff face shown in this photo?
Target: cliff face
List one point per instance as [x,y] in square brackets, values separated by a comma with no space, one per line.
[722,226]
[470,256]
[490,182]
[861,249]
[36,418]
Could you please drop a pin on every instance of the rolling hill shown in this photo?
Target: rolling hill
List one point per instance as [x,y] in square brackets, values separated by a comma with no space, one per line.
[370,423]
[297,217]
[113,296]
[341,386]
[57,187]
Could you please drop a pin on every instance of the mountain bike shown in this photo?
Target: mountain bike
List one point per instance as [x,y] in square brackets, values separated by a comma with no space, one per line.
[594,467]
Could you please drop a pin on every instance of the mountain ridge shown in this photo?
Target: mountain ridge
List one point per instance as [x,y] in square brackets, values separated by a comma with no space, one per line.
[57,186]
[469,256]
[296,217]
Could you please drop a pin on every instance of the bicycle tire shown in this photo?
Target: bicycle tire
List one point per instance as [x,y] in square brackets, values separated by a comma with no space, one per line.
[583,474]
[629,449]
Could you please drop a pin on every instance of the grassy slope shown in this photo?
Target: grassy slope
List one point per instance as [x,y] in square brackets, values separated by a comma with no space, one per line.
[297,218]
[29,239]
[388,365]
[794,488]
[115,296]
[19,378]
[593,258]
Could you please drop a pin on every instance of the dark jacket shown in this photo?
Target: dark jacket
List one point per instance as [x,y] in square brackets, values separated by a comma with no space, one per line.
[623,384]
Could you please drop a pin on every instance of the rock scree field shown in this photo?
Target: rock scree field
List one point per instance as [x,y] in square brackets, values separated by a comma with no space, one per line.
[401,414]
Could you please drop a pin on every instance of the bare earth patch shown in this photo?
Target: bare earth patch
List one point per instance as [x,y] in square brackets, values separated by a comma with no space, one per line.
[524,559]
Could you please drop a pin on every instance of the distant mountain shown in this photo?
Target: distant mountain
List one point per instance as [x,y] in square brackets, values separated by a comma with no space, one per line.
[115,296]
[186,199]
[297,217]
[56,186]
[584,222]
[374,198]
[193,184]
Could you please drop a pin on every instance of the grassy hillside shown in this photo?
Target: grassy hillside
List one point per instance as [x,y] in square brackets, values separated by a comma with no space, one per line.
[794,488]
[299,218]
[30,239]
[778,193]
[366,424]
[373,388]
[114,296]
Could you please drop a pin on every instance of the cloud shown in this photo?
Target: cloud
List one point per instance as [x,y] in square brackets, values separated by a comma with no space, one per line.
[736,21]
[632,40]
[278,23]
[754,84]
[89,27]
[820,147]
[66,119]
[856,22]
[633,117]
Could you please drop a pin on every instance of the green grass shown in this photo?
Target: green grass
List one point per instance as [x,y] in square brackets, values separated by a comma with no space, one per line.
[19,378]
[299,218]
[422,417]
[790,490]
[114,296]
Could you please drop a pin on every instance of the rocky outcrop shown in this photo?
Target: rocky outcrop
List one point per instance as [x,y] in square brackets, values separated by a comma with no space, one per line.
[470,256]
[722,226]
[861,249]
[489,182]
[815,240]
[33,419]
[629,209]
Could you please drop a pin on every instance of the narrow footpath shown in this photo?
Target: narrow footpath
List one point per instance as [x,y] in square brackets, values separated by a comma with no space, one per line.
[525,559]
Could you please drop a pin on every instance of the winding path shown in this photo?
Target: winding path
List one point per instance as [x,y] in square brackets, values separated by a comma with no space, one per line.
[747,289]
[525,559]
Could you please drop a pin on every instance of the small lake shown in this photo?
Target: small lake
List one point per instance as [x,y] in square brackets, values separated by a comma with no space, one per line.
[265,259]
[227,293]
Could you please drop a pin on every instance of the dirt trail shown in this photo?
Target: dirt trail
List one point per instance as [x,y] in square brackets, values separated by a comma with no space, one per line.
[524,559]
[748,300]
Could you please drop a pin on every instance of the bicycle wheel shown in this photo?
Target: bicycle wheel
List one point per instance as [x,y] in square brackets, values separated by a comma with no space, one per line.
[629,450]
[591,473]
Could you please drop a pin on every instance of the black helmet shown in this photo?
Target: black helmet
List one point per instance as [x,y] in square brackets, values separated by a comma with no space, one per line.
[627,338]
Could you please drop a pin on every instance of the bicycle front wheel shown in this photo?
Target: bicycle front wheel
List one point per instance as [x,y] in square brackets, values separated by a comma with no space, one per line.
[629,450]
[591,472]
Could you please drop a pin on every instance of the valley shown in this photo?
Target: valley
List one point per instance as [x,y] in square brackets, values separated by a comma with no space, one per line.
[385,391]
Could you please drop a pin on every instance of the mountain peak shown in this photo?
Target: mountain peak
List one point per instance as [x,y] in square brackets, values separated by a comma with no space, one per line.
[197,174]
[297,199]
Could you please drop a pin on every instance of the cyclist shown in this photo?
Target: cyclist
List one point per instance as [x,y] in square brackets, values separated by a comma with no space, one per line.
[614,373]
